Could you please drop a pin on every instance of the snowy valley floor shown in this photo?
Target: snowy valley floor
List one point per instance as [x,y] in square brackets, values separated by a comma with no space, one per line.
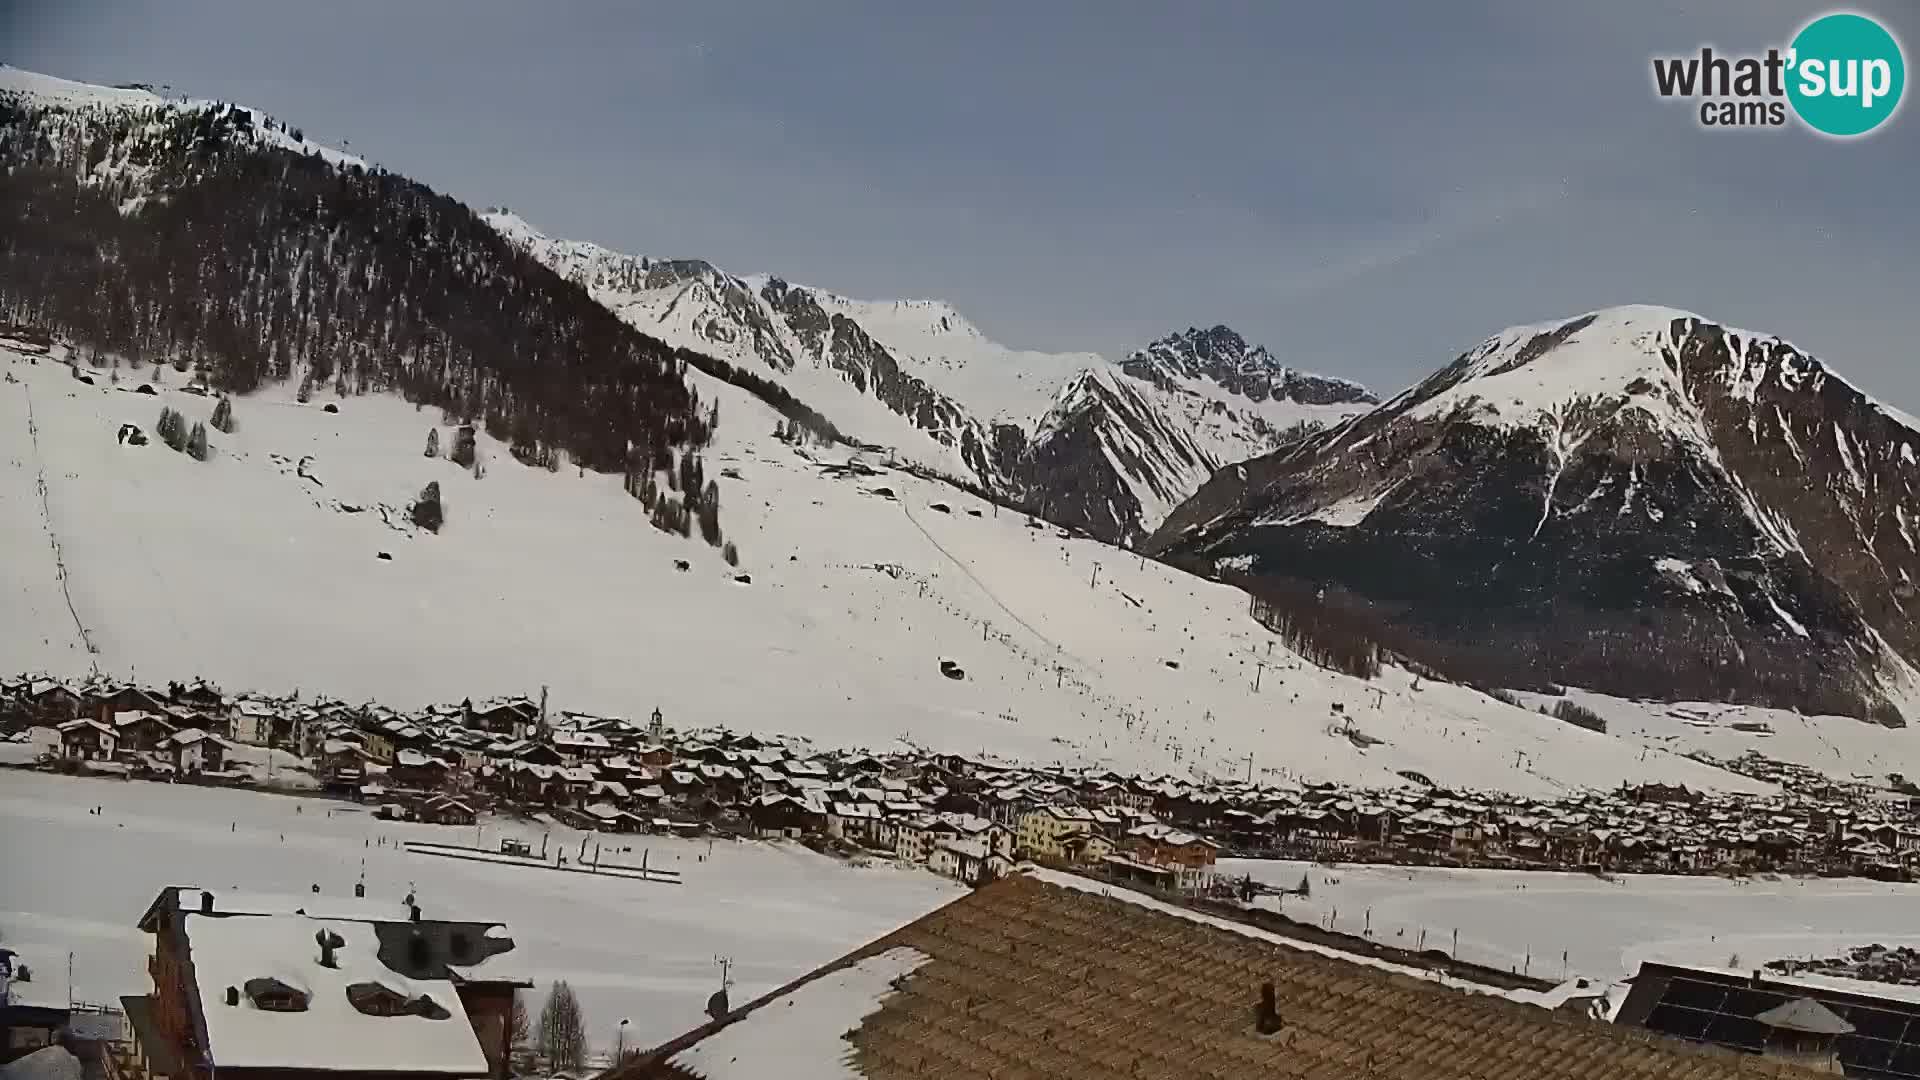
[1527,920]
[260,570]
[633,950]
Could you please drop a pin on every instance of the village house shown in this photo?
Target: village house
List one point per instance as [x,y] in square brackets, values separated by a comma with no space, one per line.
[195,751]
[784,816]
[445,810]
[140,730]
[53,702]
[512,717]
[109,705]
[246,988]
[968,861]
[417,770]
[1043,831]
[854,822]
[87,740]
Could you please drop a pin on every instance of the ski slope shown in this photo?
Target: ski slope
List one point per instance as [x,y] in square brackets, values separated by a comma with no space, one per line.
[260,569]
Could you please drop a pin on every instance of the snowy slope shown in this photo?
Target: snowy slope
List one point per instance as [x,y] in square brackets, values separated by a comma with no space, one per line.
[52,92]
[243,570]
[939,345]
[916,377]
[1635,496]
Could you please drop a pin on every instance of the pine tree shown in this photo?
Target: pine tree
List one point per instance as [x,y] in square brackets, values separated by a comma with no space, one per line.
[465,448]
[305,393]
[223,416]
[433,442]
[563,1030]
[172,429]
[197,443]
[427,512]
[731,554]
[709,512]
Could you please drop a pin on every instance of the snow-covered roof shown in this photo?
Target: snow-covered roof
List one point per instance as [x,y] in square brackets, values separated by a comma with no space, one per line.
[330,1034]
[800,1035]
[317,905]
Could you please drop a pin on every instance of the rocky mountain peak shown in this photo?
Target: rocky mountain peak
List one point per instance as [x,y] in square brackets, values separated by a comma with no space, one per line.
[1222,357]
[1634,497]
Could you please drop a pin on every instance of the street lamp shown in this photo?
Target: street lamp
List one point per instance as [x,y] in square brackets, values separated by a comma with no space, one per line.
[620,1042]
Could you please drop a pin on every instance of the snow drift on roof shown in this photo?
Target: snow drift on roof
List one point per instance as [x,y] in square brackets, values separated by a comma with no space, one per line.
[801,1034]
[330,1034]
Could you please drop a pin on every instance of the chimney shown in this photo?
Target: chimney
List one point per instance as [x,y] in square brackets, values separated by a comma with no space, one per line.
[1267,1020]
[233,995]
[413,912]
[359,890]
[206,902]
[328,942]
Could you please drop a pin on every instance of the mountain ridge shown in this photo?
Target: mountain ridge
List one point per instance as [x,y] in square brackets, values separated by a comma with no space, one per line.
[951,399]
[1607,498]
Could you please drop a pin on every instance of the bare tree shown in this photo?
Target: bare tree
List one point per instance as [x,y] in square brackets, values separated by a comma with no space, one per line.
[563,1029]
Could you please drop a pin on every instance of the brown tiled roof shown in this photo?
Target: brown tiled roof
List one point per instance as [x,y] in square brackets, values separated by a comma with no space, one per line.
[1029,980]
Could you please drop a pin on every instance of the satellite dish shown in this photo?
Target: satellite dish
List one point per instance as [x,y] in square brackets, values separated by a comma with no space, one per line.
[717,1005]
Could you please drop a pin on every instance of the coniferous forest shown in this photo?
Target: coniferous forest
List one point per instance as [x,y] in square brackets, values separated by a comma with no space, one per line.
[185,237]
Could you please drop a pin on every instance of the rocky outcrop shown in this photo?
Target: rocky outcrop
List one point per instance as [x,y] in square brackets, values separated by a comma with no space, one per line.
[1637,500]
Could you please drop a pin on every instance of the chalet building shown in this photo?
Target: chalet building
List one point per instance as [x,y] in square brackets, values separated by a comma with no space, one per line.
[379,747]
[337,988]
[854,822]
[1043,831]
[445,810]
[260,723]
[139,730]
[54,702]
[107,706]
[199,696]
[968,861]
[512,717]
[195,751]
[1084,848]
[575,747]
[87,740]
[784,815]
[413,769]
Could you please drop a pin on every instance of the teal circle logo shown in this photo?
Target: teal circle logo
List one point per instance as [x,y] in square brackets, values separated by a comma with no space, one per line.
[1846,74]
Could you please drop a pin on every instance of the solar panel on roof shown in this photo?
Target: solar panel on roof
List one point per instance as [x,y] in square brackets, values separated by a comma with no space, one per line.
[1885,1043]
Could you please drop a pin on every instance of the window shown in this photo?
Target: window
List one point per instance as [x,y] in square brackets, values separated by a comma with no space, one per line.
[378,999]
[272,995]
[375,999]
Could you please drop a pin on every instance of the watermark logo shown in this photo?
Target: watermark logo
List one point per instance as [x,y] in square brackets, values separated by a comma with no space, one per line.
[1842,75]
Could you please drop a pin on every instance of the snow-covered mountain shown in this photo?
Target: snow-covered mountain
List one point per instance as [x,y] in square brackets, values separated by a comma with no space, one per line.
[1635,499]
[915,377]
[287,561]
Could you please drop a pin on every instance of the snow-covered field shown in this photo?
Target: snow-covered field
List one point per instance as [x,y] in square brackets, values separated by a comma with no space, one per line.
[1527,921]
[633,950]
[243,570]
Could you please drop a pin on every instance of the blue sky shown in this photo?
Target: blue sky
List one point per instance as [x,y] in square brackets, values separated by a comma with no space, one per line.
[1367,187]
